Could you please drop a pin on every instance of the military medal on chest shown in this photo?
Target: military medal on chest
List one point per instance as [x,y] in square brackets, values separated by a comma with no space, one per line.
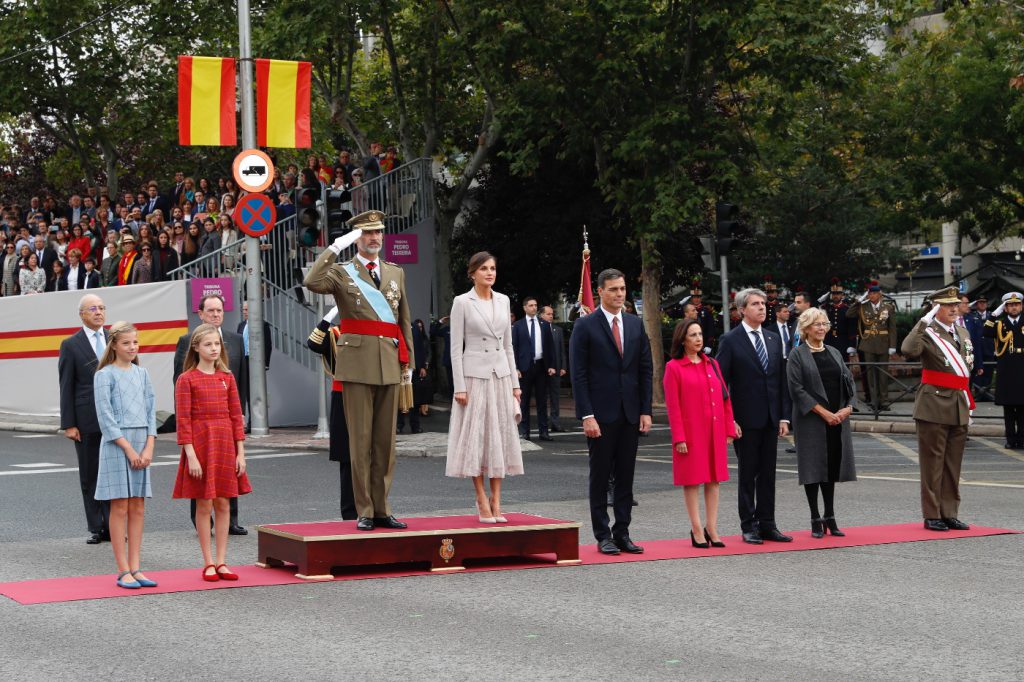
[392,294]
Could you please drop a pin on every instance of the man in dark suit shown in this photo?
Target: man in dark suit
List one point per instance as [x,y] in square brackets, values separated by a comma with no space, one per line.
[534,350]
[155,202]
[612,377]
[46,255]
[753,367]
[547,313]
[76,369]
[784,328]
[268,348]
[211,311]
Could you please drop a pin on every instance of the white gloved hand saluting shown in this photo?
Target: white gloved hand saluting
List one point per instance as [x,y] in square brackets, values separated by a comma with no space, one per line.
[345,241]
[999,311]
[931,314]
[331,315]
[821,299]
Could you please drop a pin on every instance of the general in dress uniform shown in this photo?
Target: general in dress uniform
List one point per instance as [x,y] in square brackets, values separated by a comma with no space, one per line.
[835,308]
[876,332]
[1007,330]
[374,353]
[942,408]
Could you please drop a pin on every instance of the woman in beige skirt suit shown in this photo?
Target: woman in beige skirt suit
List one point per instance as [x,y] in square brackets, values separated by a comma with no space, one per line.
[483,438]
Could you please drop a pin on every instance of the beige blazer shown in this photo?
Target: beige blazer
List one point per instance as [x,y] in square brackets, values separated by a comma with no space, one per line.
[481,339]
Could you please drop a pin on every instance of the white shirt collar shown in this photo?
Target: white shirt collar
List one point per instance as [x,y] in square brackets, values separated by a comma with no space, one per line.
[92,334]
[611,316]
[751,329]
[365,261]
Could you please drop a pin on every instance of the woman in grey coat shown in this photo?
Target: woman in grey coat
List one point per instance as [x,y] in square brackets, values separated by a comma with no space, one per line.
[822,389]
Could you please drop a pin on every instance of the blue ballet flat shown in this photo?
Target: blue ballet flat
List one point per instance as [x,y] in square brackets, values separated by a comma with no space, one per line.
[133,585]
[145,582]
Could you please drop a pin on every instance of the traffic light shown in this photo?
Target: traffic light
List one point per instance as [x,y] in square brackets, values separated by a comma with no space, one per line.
[339,212]
[709,252]
[308,207]
[728,227]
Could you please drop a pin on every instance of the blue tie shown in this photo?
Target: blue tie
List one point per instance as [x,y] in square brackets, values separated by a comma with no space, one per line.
[533,340]
[762,355]
[245,338]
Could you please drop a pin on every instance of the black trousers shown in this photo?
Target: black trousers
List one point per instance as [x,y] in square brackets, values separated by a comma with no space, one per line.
[1013,419]
[554,395]
[97,512]
[756,453]
[614,453]
[534,384]
[340,454]
[414,418]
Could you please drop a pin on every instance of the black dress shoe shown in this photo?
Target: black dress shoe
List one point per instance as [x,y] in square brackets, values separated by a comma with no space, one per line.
[93,539]
[417,429]
[935,524]
[955,524]
[752,537]
[791,451]
[546,437]
[388,522]
[817,528]
[774,535]
[627,545]
[364,523]
[236,529]
[606,546]
[105,536]
[635,503]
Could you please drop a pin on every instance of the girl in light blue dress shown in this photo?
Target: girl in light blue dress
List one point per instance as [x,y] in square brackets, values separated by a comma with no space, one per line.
[126,409]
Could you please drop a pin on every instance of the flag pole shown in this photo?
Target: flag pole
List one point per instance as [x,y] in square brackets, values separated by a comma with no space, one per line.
[253,283]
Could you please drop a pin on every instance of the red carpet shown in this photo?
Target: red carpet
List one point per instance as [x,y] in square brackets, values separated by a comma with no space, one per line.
[189,580]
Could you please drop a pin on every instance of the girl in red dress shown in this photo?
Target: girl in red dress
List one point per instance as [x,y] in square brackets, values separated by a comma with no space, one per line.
[211,433]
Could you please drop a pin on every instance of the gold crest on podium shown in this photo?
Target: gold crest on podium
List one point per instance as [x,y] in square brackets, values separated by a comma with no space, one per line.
[447,550]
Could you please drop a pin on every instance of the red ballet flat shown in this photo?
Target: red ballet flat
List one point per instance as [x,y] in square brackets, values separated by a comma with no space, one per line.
[210,578]
[226,574]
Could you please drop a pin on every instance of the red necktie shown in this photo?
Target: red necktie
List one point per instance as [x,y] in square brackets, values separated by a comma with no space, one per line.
[616,335]
[372,267]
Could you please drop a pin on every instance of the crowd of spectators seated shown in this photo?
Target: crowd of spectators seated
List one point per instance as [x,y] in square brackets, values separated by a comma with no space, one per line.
[94,240]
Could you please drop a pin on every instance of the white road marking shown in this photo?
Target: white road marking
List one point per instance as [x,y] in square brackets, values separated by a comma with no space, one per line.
[37,465]
[898,447]
[272,455]
[998,448]
[35,435]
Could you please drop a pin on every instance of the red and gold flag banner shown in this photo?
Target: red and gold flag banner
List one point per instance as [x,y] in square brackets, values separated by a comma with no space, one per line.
[586,295]
[282,104]
[206,101]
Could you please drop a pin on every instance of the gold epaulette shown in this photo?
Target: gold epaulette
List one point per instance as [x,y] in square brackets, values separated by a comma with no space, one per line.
[990,323]
[317,336]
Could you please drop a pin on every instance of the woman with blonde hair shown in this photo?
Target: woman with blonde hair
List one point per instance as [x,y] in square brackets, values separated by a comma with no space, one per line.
[822,389]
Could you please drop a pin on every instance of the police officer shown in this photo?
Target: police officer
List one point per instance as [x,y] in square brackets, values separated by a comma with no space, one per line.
[876,332]
[1006,330]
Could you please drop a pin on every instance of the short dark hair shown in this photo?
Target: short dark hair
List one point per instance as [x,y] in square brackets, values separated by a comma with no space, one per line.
[528,299]
[607,274]
[202,301]
[679,338]
[804,295]
[780,306]
[477,260]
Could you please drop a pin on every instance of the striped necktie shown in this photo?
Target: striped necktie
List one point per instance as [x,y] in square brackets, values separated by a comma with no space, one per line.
[762,355]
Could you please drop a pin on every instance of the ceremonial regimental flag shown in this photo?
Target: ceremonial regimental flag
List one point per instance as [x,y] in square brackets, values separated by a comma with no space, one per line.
[586,295]
[282,103]
[206,101]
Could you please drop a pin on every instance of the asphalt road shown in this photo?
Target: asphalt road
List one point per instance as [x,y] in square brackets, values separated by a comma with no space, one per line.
[938,610]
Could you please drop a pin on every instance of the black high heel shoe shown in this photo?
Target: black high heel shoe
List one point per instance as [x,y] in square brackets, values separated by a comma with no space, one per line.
[830,523]
[817,528]
[707,536]
[698,545]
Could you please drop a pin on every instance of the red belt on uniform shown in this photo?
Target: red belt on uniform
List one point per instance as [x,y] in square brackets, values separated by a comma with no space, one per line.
[947,380]
[377,328]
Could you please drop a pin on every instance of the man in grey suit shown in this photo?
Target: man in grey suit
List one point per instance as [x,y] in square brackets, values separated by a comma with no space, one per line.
[76,368]
[211,311]
[558,363]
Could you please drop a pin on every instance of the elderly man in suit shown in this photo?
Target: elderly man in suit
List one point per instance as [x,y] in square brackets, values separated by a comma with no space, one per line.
[753,366]
[547,313]
[535,357]
[375,354]
[612,378]
[76,368]
[211,311]
[942,408]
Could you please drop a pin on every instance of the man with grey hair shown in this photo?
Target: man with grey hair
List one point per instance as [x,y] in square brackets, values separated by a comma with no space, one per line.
[753,367]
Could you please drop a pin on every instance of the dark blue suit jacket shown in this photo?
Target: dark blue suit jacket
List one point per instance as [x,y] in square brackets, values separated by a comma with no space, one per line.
[759,400]
[604,383]
[76,369]
[524,351]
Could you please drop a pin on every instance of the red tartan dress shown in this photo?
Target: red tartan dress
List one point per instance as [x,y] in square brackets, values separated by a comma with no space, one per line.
[209,416]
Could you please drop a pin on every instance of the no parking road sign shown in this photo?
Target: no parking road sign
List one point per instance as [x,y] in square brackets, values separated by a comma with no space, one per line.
[255,214]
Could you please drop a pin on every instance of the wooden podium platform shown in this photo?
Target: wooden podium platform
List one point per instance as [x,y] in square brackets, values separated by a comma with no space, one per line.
[443,542]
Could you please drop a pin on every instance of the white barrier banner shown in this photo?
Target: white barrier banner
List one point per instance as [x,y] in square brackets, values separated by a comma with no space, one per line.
[32,328]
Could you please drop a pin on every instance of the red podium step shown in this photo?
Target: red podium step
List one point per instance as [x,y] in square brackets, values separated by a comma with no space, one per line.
[443,542]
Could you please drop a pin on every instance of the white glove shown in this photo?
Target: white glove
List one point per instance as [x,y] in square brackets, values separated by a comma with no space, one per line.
[707,350]
[345,241]
[892,351]
[999,311]
[331,315]
[931,314]
[851,351]
[863,299]
[821,299]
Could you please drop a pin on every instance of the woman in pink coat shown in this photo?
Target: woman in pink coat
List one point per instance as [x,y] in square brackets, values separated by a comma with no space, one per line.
[700,414]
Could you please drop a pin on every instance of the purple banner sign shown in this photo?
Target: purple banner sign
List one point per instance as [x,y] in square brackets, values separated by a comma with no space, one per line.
[222,286]
[401,248]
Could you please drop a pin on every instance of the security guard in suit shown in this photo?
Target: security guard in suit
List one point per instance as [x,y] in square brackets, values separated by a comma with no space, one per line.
[1007,330]
[876,331]
[942,407]
[374,355]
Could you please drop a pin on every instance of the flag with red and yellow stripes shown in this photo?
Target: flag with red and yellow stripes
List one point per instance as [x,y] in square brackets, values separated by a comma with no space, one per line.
[206,101]
[282,103]
[154,337]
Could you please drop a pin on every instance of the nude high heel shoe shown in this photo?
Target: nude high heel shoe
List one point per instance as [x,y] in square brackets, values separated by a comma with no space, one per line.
[484,519]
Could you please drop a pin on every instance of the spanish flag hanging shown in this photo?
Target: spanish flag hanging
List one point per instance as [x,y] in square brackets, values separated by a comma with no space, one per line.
[282,103]
[206,101]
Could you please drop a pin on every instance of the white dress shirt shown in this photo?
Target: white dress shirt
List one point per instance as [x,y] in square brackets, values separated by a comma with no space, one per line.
[73,277]
[538,346]
[615,316]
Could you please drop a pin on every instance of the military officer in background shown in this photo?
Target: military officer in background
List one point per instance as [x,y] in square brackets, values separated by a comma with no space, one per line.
[876,332]
[1007,330]
[374,355]
[942,407]
[984,349]
[708,325]
[834,305]
[773,300]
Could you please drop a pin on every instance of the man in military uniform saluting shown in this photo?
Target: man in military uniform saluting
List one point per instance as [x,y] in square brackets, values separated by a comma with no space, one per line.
[1008,333]
[374,354]
[876,329]
[942,407]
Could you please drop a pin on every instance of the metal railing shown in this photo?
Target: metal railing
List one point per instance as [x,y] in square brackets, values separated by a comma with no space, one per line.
[904,378]
[405,194]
